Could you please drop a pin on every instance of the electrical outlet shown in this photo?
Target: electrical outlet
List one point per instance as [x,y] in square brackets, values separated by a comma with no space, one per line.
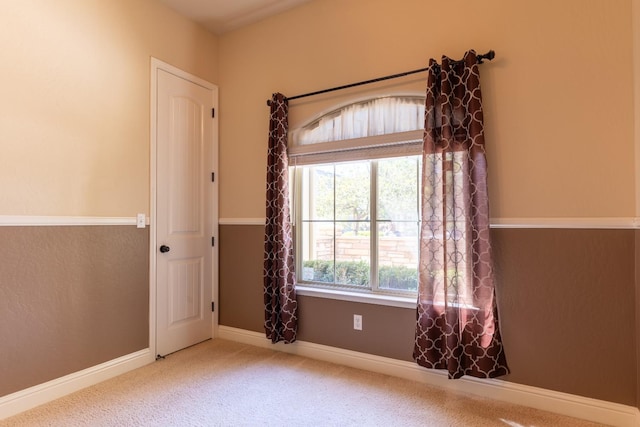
[357,322]
[141,220]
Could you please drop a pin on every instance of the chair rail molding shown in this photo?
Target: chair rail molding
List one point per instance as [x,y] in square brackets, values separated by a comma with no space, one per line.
[48,221]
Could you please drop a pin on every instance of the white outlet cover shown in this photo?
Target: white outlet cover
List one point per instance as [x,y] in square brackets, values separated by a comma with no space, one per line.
[357,322]
[141,220]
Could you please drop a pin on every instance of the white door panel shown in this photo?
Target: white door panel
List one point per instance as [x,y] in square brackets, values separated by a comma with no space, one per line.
[184,213]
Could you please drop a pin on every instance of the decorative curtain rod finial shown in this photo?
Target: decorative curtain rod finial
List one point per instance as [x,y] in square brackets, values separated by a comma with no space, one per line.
[489,55]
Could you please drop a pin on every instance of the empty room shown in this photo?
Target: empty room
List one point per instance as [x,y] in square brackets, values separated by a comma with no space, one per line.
[320,212]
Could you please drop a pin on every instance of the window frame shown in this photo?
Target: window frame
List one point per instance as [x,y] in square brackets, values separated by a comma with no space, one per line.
[371,148]
[374,254]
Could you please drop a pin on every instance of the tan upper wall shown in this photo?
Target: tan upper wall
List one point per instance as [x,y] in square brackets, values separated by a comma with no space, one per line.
[558,97]
[74,104]
[635,7]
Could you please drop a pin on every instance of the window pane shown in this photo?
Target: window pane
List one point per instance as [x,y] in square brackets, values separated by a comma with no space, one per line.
[398,255]
[317,251]
[352,181]
[398,188]
[398,226]
[318,195]
[353,253]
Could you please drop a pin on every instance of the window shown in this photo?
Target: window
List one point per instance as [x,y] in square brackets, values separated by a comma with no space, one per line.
[357,197]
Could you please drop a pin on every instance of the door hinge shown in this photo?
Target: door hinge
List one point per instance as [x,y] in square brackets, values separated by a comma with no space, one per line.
[213,113]
[213,306]
[213,241]
[213,177]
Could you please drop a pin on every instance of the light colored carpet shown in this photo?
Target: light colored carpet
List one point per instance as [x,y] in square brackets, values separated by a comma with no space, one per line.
[223,383]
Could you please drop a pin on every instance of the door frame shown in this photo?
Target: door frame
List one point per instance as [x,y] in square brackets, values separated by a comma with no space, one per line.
[157,65]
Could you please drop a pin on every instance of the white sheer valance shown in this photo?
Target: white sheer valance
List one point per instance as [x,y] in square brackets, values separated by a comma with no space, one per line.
[382,127]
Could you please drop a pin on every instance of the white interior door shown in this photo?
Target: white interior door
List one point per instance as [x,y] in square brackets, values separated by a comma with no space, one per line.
[184,211]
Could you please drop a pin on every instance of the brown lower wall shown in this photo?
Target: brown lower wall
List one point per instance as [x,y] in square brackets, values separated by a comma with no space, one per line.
[637,302]
[568,311]
[567,303]
[71,297]
[566,298]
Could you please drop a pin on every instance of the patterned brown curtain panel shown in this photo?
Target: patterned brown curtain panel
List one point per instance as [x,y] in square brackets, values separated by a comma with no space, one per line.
[457,318]
[281,307]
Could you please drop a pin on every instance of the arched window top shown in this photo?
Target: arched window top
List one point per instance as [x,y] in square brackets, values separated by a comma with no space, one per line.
[373,117]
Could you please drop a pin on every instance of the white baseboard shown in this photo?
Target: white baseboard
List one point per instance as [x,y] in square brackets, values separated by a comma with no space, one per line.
[31,397]
[594,410]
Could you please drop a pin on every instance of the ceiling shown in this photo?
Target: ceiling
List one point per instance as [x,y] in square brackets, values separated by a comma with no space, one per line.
[220,16]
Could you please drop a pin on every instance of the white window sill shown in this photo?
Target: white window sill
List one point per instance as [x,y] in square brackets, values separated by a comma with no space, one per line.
[366,298]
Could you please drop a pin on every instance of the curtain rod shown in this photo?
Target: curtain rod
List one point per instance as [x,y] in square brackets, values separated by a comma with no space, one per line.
[489,55]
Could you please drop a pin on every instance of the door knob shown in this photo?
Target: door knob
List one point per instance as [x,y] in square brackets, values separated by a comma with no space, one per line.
[164,248]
